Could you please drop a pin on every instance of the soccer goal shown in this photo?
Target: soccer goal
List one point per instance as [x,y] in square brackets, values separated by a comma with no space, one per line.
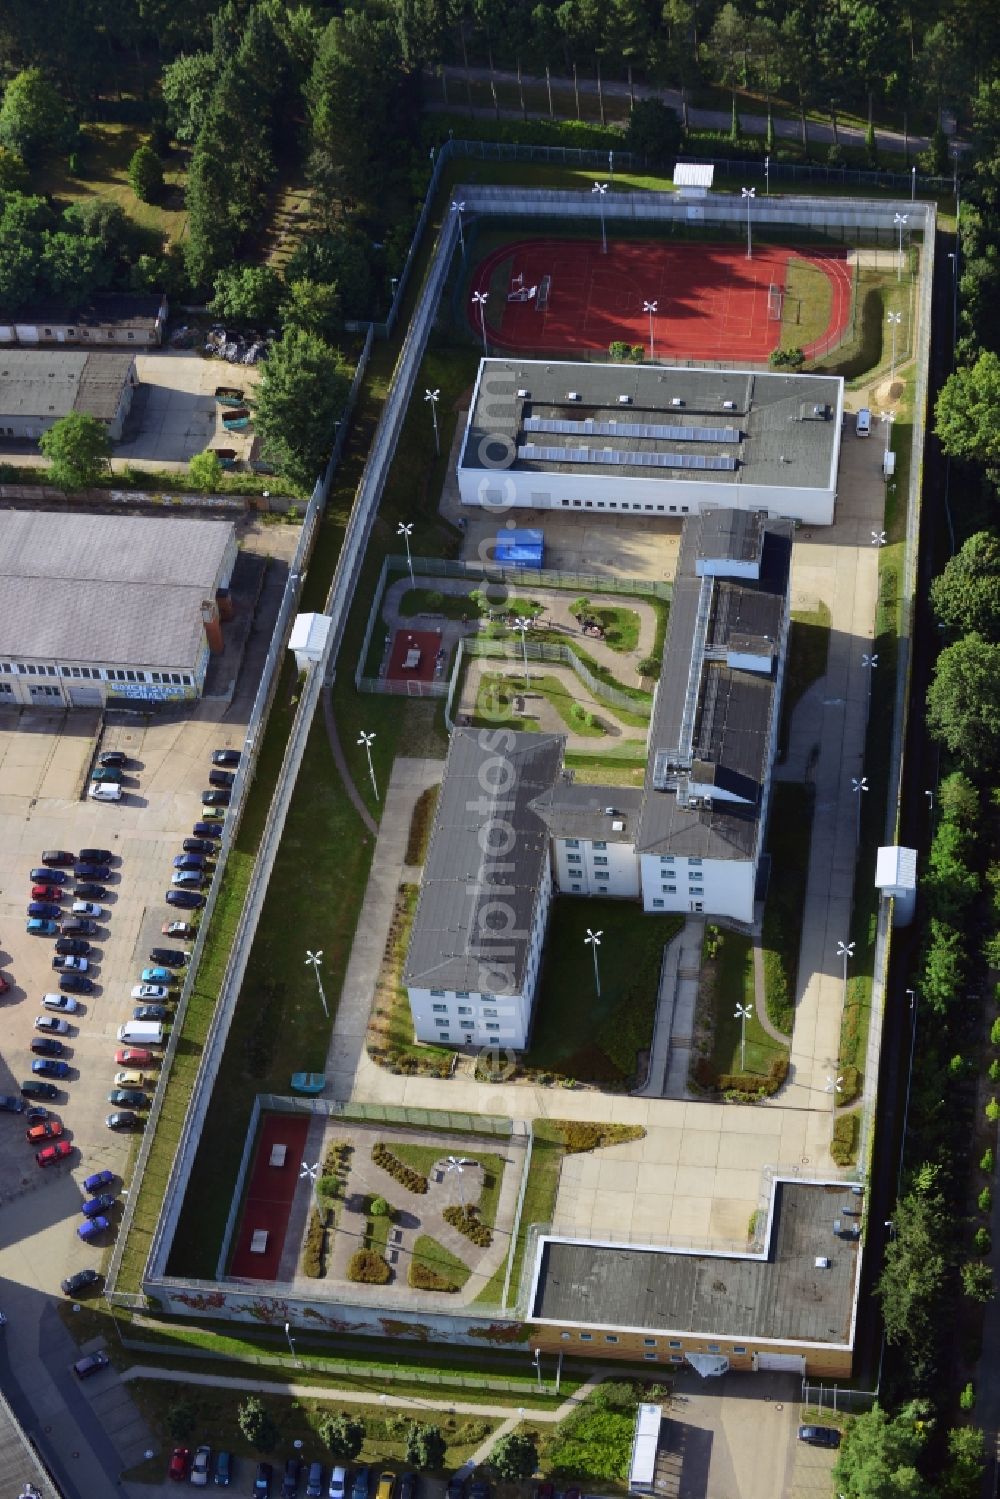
[775,301]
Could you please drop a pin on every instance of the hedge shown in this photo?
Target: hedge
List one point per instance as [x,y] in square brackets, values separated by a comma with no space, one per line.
[314,1248]
[844,1146]
[422,1279]
[577,1136]
[368,1267]
[465,1220]
[413,1181]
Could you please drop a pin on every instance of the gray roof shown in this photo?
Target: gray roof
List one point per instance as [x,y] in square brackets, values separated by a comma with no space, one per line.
[117,590]
[473,920]
[574,810]
[50,383]
[116,309]
[729,716]
[20,1465]
[730,426]
[781,1295]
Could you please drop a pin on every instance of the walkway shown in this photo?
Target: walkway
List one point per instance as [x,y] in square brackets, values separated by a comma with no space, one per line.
[675,1014]
[538,708]
[354,795]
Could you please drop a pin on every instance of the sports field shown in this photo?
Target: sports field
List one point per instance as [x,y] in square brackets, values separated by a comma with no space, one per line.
[269,1197]
[709,301]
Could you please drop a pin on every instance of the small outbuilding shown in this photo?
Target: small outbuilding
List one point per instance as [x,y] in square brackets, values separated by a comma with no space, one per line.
[520,548]
[896,875]
[645,1445]
[37,388]
[693,179]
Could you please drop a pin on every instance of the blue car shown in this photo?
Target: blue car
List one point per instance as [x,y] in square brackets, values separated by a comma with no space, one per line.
[46,908]
[39,928]
[47,876]
[157,976]
[97,1205]
[189,861]
[188,900]
[46,1068]
[98,1180]
[207,830]
[92,872]
[93,1228]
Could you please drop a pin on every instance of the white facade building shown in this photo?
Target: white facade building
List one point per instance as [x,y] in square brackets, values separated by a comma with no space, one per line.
[652,440]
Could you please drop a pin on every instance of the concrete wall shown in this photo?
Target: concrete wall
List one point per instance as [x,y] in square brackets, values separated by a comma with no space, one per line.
[672,1348]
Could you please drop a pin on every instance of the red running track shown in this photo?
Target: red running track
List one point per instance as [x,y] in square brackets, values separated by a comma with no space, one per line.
[269,1196]
[427,642]
[712,302]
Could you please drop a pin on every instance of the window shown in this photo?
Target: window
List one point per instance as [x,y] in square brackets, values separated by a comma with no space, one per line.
[611,1337]
[48,332]
[602,889]
[492,1025]
[67,671]
[696,862]
[572,843]
[600,859]
[676,1358]
[586,1337]
[696,890]
[649,1355]
[439,1021]
[669,889]
[674,1343]
[649,1342]
[575,889]
[489,1012]
[439,1009]
[658,904]
[437,994]
[467,1025]
[444,1036]
[667,859]
[565,1336]
[130,335]
[573,858]
[713,1347]
[600,845]
[465,1009]
[461,993]
[739,1348]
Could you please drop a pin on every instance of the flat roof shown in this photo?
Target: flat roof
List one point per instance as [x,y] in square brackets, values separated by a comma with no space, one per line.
[50,383]
[654,421]
[21,1469]
[693,174]
[122,590]
[572,809]
[488,855]
[778,1294]
[120,309]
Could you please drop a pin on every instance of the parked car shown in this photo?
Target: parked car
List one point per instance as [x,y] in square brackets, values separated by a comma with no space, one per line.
[128,1098]
[49,1129]
[47,909]
[9,1104]
[95,1206]
[34,1087]
[81,1281]
[362,1483]
[72,947]
[92,870]
[479,1490]
[180,1462]
[207,830]
[134,1056]
[820,1436]
[4,983]
[200,1465]
[408,1486]
[54,857]
[112,757]
[215,798]
[52,1025]
[109,774]
[64,1003]
[94,856]
[262,1482]
[129,1078]
[52,1154]
[200,846]
[46,1046]
[225,757]
[386,1485]
[314,1481]
[79,926]
[69,963]
[188,900]
[39,926]
[223,778]
[89,891]
[98,791]
[150,991]
[123,1119]
[290,1479]
[98,1180]
[87,908]
[157,976]
[189,862]
[177,929]
[151,1012]
[46,1068]
[338,1483]
[169,957]
[92,1363]
[45,875]
[37,1113]
[223,1470]
[189,879]
[76,983]
[47,892]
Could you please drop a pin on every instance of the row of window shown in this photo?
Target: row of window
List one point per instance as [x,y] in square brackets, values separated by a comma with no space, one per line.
[575,843]
[625,505]
[95,673]
[670,859]
[612,1337]
[462,1010]
[600,889]
[468,1025]
[108,333]
[457,994]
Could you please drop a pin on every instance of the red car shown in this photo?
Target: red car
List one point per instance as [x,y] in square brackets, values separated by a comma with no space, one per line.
[134,1056]
[46,892]
[180,1463]
[53,1153]
[4,983]
[49,1129]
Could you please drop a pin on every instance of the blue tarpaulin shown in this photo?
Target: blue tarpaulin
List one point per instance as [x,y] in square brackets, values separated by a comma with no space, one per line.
[520,548]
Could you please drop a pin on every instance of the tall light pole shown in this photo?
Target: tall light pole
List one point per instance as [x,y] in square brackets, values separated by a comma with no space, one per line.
[291,1343]
[859,785]
[434,396]
[537,1361]
[743,1013]
[479,300]
[593,941]
[749,193]
[650,307]
[455,1165]
[367,740]
[405,529]
[930,800]
[767,176]
[900,220]
[313,960]
[311,1175]
[845,950]
[893,319]
[834,1086]
[869,663]
[611,165]
[879,538]
[600,188]
[458,208]
[524,625]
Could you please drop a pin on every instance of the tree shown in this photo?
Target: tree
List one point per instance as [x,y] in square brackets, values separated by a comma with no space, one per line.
[302,392]
[654,132]
[963,1475]
[915,1274]
[338,258]
[205,471]
[187,85]
[958,800]
[246,294]
[425,1446]
[966,596]
[78,449]
[943,973]
[977,1281]
[181,1418]
[344,1435]
[951,885]
[72,267]
[33,118]
[13,172]
[514,1458]
[963,700]
[314,306]
[967,414]
[256,1424]
[879,1454]
[145,174]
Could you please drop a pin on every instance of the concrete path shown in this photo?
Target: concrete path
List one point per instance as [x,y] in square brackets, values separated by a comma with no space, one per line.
[675,1014]
[538,708]
[761,997]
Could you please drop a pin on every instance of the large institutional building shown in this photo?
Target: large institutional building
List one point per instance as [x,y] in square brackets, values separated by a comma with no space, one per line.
[512,826]
[652,440]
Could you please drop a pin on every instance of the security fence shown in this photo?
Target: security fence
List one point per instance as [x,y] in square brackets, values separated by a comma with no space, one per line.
[837,1398]
[536,650]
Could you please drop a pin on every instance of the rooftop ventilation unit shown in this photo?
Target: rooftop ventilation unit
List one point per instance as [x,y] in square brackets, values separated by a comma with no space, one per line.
[821,1262]
[676,401]
[624,400]
[572,395]
[524,394]
[729,405]
[618,826]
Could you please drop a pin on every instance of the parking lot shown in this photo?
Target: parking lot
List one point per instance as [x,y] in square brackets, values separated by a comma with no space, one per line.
[174,414]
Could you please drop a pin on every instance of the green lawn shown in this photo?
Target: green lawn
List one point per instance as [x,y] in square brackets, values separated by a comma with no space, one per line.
[539,1204]
[808,648]
[576,1034]
[788,841]
[619,623]
[391,1028]
[732,977]
[432,1256]
[430,601]
[807,306]
[423,1157]
[497,691]
[108,149]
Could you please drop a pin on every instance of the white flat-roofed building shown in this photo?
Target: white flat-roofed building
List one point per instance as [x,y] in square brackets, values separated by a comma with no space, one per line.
[693,179]
[624,439]
[99,606]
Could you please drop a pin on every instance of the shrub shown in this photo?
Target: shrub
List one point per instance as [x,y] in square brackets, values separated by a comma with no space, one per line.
[425,1446]
[313,1251]
[255,1424]
[985,1200]
[844,1145]
[740,1086]
[993,1111]
[145,174]
[344,1435]
[514,1458]
[994,1070]
[995,1033]
[465,1220]
[982,1240]
[967,1399]
[379,1208]
[422,1279]
[181,1418]
[986,1163]
[412,1180]
[786,359]
[368,1268]
[649,666]
[577,1136]
[850,1085]
[977,1282]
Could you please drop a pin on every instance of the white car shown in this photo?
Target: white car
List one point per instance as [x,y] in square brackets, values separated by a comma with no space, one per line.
[104,791]
[64,1002]
[52,1025]
[129,1079]
[87,908]
[200,1466]
[150,991]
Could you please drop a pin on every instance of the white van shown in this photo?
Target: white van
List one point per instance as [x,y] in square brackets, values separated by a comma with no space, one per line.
[864,426]
[141,1033]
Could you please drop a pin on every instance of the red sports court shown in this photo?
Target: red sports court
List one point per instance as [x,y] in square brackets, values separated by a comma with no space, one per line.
[414,654]
[711,301]
[260,1237]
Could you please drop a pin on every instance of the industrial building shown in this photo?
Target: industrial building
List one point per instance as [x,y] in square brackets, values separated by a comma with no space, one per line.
[116,320]
[110,606]
[651,440]
[36,389]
